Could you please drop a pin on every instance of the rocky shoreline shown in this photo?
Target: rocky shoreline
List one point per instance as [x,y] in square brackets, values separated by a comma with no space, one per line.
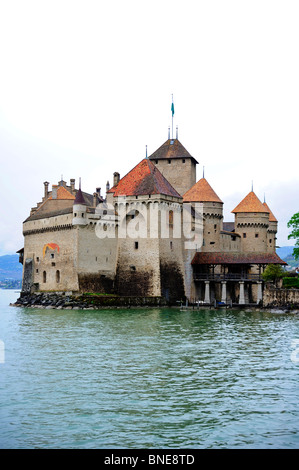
[70,301]
[54,300]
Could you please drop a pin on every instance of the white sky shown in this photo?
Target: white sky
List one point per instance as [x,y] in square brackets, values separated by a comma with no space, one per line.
[86,85]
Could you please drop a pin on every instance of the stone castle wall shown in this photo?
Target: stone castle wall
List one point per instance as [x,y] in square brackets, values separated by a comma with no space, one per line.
[278,297]
[52,268]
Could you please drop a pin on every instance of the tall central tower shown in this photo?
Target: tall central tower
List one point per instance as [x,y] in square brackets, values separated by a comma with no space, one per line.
[176,164]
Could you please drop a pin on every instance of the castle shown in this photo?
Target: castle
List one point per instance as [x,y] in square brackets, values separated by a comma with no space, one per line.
[158,232]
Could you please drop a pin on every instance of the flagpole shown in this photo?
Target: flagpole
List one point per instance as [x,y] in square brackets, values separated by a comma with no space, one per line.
[172,112]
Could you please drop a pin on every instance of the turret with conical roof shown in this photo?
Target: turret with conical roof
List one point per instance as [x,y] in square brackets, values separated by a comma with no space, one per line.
[252,223]
[79,209]
[203,197]
[176,164]
[201,192]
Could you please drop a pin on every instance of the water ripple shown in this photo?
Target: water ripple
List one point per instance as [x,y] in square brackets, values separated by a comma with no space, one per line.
[153,378]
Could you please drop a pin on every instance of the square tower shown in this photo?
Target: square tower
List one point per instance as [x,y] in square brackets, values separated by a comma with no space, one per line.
[176,164]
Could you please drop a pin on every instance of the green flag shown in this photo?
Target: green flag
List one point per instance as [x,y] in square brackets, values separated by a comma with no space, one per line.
[172,108]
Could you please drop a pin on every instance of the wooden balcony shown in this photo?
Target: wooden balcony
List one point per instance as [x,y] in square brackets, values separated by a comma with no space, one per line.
[218,277]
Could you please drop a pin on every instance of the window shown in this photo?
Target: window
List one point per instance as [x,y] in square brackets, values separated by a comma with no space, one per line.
[212,243]
[37,259]
[57,276]
[256,235]
[75,215]
[82,214]
[270,240]
[36,271]
[156,162]
[44,276]
[171,245]
[184,160]
[136,245]
[133,269]
[53,264]
[52,255]
[169,162]
[244,235]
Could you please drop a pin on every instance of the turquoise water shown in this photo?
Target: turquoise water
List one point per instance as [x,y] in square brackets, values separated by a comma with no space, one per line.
[148,378]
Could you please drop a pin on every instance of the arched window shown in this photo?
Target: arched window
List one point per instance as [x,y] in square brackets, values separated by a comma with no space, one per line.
[44,276]
[57,276]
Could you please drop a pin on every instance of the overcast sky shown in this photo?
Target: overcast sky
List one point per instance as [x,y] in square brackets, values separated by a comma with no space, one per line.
[86,85]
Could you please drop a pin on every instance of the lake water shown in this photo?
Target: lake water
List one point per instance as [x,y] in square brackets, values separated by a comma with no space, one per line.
[147,378]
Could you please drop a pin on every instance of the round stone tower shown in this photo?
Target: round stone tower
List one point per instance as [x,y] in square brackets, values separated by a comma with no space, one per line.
[79,209]
[252,223]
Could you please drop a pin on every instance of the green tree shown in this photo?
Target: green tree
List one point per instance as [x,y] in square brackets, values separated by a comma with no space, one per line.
[273,272]
[294,224]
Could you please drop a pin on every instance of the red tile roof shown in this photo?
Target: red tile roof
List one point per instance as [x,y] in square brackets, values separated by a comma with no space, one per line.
[272,217]
[144,179]
[201,192]
[172,148]
[250,203]
[63,193]
[236,258]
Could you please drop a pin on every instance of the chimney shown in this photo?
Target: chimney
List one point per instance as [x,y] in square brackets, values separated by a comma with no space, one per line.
[95,199]
[46,189]
[107,186]
[72,183]
[98,190]
[116,178]
[61,182]
[54,191]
